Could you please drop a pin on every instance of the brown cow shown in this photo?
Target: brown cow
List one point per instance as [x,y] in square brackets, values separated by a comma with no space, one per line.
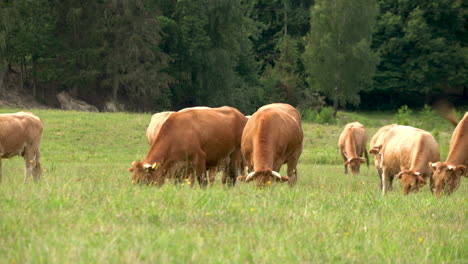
[376,140]
[352,144]
[153,129]
[200,138]
[21,134]
[447,175]
[405,152]
[272,137]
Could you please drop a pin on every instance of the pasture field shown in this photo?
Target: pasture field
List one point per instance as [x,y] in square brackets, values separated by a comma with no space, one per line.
[85,209]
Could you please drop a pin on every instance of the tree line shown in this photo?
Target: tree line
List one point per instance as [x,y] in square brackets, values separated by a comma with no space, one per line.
[150,55]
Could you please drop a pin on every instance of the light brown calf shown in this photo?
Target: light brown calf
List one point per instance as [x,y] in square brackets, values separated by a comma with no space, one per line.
[352,145]
[20,134]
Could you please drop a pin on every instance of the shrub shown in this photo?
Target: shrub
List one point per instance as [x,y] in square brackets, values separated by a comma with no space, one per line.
[308,115]
[325,116]
[402,117]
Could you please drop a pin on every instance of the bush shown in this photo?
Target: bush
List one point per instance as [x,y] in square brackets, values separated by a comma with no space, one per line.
[325,116]
[402,117]
[308,115]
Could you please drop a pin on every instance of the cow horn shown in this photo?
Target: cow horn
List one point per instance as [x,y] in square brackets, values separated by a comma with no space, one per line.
[249,176]
[417,173]
[434,165]
[155,166]
[450,167]
[399,174]
[276,174]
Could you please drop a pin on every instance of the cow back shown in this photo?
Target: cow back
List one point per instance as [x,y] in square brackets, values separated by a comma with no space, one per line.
[17,131]
[458,152]
[407,147]
[353,140]
[272,133]
[216,132]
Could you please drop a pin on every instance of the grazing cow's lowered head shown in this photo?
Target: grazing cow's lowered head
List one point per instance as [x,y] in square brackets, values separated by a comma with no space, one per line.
[146,173]
[355,164]
[447,177]
[263,178]
[411,181]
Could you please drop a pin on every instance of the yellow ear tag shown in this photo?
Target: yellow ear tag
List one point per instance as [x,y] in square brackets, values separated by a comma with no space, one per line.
[155,166]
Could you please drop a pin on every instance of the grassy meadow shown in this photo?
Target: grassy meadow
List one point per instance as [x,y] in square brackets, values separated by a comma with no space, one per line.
[85,209]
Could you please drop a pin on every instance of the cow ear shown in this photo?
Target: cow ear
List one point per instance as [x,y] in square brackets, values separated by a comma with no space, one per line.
[362,160]
[134,165]
[461,170]
[284,179]
[375,150]
[421,179]
[346,162]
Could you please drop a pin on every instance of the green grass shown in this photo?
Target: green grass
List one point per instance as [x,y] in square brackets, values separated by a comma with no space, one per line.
[85,209]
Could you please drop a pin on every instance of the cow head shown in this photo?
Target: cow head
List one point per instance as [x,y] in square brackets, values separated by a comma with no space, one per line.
[447,177]
[411,181]
[377,155]
[263,177]
[146,173]
[355,164]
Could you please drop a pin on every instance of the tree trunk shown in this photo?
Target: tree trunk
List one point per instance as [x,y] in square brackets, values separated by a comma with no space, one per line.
[34,76]
[2,77]
[335,107]
[115,88]
[285,20]
[22,75]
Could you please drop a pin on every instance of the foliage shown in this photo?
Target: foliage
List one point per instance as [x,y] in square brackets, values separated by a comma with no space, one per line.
[424,44]
[159,55]
[337,58]
[403,116]
[322,116]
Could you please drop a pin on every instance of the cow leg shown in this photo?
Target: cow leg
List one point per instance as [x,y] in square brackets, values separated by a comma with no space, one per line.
[37,172]
[344,161]
[292,171]
[431,182]
[212,175]
[199,165]
[379,170]
[367,158]
[28,163]
[385,181]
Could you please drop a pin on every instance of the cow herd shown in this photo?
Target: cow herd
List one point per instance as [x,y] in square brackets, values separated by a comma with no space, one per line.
[188,144]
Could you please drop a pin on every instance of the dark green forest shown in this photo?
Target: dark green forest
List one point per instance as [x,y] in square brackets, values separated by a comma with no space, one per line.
[152,55]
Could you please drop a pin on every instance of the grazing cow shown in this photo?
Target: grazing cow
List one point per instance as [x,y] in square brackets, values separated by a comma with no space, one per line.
[447,175]
[405,153]
[352,144]
[376,140]
[20,134]
[272,137]
[200,138]
[153,129]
